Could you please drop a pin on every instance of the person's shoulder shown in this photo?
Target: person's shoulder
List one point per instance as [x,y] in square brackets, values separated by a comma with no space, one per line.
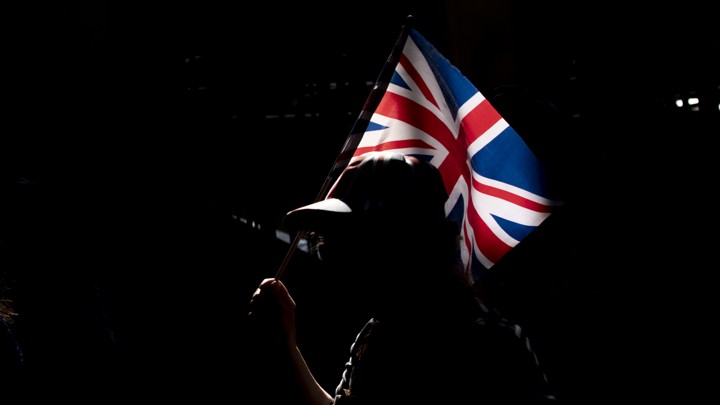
[507,358]
[487,318]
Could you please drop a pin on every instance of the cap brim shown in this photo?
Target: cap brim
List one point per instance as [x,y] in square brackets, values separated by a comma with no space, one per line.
[319,216]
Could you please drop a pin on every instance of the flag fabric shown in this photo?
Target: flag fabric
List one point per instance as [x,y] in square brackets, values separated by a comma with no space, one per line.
[425,107]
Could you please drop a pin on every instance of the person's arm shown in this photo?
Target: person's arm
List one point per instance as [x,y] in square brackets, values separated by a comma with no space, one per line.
[311,389]
[273,309]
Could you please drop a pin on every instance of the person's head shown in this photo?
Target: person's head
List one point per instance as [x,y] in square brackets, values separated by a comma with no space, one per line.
[384,221]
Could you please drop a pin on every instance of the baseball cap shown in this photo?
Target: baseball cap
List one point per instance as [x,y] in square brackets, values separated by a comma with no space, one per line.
[378,188]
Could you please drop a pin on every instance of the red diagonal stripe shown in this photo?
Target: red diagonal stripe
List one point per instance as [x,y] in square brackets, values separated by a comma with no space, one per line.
[417,78]
[479,120]
[490,245]
[399,144]
[511,197]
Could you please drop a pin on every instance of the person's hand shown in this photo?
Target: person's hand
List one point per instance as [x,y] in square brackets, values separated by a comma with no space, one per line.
[272,312]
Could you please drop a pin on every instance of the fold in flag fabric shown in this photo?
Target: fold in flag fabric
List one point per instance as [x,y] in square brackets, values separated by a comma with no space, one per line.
[423,106]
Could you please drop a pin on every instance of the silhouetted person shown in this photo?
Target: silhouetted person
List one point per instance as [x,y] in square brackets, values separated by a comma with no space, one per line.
[429,339]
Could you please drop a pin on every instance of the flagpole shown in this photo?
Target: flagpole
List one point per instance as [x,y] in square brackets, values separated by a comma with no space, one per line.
[357,131]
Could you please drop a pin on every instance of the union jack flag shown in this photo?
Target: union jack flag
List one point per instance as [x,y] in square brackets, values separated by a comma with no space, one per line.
[423,106]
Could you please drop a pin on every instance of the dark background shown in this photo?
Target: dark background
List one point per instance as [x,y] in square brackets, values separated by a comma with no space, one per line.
[150,151]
